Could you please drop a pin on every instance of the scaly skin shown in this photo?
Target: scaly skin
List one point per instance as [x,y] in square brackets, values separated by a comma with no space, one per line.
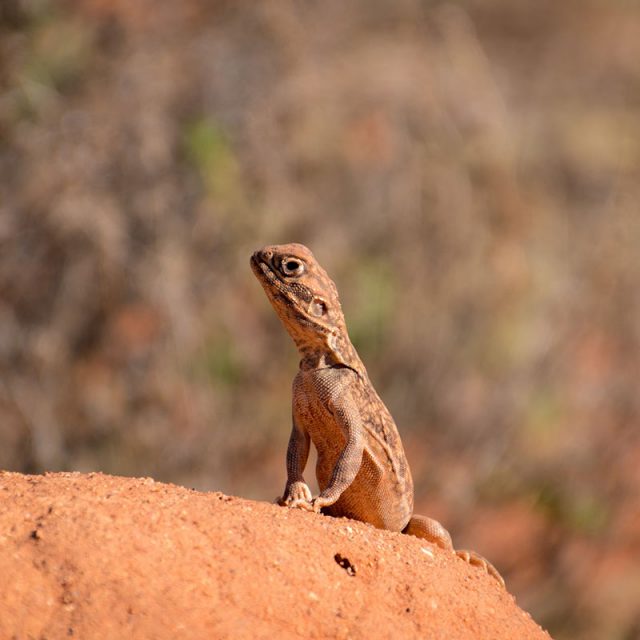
[362,469]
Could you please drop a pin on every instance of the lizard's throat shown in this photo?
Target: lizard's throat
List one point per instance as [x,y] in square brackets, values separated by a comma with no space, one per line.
[326,349]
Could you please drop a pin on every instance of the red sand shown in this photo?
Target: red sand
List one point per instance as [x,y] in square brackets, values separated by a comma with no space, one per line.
[95,556]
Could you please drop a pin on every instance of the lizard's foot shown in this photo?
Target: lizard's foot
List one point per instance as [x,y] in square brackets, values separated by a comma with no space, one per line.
[476,560]
[433,531]
[315,504]
[297,496]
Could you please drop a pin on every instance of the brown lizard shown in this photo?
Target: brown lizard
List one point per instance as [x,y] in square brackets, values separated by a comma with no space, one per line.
[361,469]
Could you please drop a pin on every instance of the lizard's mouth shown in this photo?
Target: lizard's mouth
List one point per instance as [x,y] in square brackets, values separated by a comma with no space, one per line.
[262,269]
[267,276]
[255,264]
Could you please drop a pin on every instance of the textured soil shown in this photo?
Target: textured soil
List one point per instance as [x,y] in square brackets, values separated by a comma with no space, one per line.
[95,556]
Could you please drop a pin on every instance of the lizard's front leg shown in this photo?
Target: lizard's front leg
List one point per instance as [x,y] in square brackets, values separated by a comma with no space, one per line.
[348,464]
[296,492]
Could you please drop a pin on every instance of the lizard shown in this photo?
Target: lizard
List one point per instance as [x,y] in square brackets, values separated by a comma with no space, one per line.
[362,470]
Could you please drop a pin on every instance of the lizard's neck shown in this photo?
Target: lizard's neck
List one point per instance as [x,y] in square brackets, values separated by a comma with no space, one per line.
[335,349]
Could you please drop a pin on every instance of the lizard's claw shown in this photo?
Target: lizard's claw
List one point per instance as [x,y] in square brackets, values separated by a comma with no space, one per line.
[301,504]
[299,497]
[319,501]
[314,505]
[476,560]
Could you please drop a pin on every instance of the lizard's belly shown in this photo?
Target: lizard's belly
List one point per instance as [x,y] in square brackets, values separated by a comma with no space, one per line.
[382,491]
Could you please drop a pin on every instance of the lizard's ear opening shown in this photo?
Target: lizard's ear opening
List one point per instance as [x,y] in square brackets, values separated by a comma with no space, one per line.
[318,307]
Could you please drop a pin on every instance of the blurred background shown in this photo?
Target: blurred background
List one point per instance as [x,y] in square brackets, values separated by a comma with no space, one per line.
[468,173]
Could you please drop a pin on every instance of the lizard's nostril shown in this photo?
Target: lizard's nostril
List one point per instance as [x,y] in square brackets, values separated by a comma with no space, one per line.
[262,256]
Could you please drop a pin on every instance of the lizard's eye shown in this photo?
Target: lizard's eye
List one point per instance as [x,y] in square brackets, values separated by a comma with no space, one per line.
[292,267]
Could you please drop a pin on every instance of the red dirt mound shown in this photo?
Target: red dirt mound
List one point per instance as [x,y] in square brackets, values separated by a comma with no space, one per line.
[95,556]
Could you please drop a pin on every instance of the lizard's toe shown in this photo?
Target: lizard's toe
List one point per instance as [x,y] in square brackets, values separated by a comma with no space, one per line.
[476,560]
[300,503]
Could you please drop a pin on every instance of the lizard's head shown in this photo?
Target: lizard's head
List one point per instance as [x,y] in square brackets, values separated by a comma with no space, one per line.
[303,295]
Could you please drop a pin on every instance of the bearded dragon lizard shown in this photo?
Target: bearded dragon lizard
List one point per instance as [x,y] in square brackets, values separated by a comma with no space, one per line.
[361,469]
